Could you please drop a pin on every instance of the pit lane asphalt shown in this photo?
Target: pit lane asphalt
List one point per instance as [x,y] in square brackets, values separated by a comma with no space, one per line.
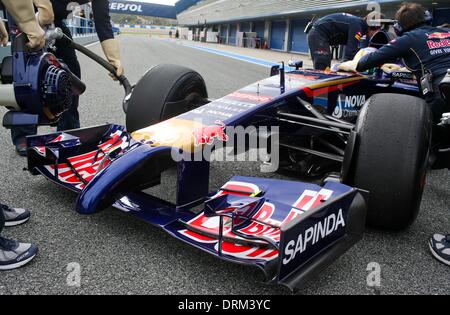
[120,255]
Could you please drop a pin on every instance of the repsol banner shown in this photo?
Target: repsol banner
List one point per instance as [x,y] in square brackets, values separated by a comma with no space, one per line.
[141,8]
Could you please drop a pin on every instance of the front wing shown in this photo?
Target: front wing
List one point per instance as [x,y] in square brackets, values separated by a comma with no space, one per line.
[289,230]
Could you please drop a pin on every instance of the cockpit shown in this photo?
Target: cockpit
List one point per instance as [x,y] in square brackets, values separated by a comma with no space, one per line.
[394,71]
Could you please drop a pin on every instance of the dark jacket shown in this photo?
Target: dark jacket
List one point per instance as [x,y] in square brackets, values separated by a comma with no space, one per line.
[428,46]
[343,29]
[100,9]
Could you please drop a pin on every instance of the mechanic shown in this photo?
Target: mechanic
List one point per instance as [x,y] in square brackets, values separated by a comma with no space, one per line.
[426,52]
[14,254]
[71,119]
[337,29]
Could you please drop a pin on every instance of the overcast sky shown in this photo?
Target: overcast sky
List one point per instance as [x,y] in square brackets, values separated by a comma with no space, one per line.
[168,2]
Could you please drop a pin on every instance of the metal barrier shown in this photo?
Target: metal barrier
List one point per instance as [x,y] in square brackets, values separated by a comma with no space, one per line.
[80,26]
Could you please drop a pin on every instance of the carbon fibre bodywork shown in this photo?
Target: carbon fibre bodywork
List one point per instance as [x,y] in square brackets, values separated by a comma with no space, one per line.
[288,229]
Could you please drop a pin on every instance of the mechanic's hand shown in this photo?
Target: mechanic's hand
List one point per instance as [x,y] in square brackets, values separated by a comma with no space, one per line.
[45,14]
[22,12]
[348,66]
[390,67]
[404,69]
[4,37]
[112,53]
[35,34]
[445,120]
[352,65]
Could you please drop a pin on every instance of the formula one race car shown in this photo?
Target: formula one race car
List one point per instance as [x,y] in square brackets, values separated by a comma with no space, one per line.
[370,131]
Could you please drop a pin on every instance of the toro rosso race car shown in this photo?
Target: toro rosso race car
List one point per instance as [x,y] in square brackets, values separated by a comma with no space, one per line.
[341,129]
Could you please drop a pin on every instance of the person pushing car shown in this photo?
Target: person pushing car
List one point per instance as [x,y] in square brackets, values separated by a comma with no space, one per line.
[14,254]
[337,29]
[425,50]
[59,9]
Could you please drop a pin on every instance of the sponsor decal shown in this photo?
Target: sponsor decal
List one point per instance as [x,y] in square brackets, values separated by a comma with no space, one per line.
[251,97]
[303,76]
[348,106]
[142,8]
[338,112]
[23,256]
[58,139]
[308,200]
[263,223]
[118,6]
[322,52]
[40,150]
[207,135]
[402,75]
[87,166]
[220,109]
[439,35]
[313,235]
[436,45]
[212,225]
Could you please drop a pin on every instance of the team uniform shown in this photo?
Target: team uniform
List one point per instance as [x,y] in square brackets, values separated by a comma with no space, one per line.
[333,30]
[100,10]
[424,49]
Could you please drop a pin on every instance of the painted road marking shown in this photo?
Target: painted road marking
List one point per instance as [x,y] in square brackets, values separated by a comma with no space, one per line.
[240,57]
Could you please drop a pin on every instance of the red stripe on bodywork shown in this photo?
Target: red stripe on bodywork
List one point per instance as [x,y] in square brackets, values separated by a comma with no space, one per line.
[313,93]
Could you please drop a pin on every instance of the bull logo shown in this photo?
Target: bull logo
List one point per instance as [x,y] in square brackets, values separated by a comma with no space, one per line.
[207,135]
[439,35]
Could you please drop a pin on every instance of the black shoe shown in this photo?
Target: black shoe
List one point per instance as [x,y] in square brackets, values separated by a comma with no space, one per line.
[21,149]
[14,216]
[440,248]
[14,255]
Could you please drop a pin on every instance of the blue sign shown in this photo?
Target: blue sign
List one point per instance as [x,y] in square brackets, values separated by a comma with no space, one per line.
[183,5]
[141,8]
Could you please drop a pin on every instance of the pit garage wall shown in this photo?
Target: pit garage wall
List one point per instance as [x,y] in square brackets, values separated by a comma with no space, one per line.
[281,35]
[288,34]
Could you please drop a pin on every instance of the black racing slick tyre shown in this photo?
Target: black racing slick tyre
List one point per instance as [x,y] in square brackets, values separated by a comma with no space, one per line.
[165,91]
[390,158]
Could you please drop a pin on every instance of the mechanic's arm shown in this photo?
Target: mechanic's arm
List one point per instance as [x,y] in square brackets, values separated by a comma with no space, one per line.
[45,12]
[22,11]
[389,53]
[105,33]
[4,36]
[353,42]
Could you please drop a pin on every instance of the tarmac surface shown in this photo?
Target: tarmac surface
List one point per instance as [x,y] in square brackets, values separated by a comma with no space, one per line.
[120,255]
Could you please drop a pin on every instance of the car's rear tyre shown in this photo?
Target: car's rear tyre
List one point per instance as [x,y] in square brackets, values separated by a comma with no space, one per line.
[165,91]
[390,156]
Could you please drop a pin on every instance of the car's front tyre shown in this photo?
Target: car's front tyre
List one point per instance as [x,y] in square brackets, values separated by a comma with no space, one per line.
[390,158]
[165,91]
